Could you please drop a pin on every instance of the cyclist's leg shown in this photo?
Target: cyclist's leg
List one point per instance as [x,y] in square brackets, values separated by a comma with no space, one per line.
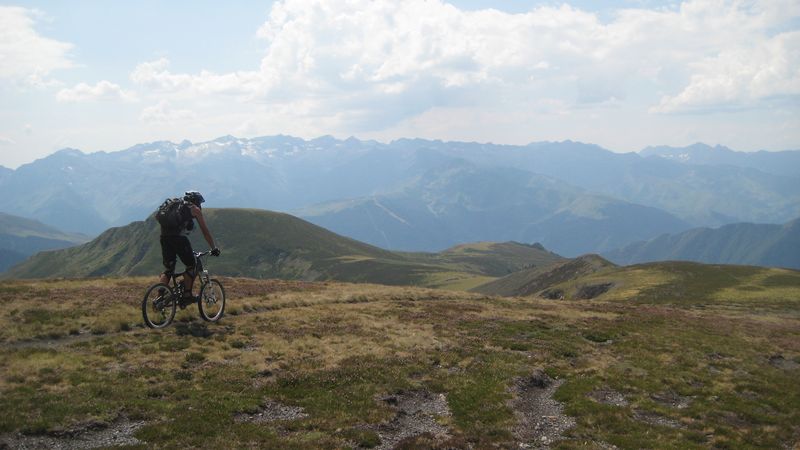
[169,258]
[186,254]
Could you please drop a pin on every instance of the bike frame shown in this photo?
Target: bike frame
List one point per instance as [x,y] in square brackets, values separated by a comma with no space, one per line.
[199,271]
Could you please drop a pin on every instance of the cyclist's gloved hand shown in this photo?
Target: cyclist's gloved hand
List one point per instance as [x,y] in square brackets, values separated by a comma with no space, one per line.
[215,251]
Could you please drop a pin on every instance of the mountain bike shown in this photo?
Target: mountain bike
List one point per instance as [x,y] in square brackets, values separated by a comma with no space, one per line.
[161,300]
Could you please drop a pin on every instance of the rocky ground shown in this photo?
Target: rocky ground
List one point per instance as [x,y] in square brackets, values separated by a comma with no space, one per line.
[540,419]
[94,435]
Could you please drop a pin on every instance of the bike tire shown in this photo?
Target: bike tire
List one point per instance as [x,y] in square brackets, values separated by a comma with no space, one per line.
[212,301]
[158,310]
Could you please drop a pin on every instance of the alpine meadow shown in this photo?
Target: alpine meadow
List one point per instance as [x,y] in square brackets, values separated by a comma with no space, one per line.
[425,224]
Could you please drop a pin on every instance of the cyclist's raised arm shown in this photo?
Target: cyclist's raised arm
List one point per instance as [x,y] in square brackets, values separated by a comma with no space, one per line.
[197,213]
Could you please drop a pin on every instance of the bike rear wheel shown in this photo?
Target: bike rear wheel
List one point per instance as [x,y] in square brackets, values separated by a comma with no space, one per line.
[212,300]
[158,306]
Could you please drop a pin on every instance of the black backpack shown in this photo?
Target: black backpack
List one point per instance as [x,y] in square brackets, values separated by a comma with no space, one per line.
[170,214]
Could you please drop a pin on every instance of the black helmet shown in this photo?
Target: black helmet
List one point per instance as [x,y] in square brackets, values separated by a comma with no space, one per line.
[193,197]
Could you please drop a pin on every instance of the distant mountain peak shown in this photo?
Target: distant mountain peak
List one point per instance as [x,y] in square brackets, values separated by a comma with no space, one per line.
[69,151]
[226,138]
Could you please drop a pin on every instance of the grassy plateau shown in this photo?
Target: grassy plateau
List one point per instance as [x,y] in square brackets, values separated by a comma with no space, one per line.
[671,355]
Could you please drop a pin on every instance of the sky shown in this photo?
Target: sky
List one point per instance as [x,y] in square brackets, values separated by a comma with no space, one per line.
[624,74]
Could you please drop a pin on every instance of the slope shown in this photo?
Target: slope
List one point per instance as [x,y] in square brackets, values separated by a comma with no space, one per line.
[263,244]
[531,281]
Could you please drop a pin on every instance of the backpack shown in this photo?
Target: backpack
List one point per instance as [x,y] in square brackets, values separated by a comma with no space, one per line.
[169,214]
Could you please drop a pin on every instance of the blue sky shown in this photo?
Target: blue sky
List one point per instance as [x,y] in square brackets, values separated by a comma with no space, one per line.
[624,74]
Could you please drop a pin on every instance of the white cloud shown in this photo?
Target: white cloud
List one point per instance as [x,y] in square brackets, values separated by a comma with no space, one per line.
[367,65]
[420,54]
[6,141]
[101,91]
[163,113]
[25,55]
[155,75]
[742,77]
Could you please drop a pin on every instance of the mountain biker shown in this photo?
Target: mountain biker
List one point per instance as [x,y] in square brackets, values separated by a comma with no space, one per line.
[175,243]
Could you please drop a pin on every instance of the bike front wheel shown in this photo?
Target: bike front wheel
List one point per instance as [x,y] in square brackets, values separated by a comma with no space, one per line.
[212,301]
[158,306]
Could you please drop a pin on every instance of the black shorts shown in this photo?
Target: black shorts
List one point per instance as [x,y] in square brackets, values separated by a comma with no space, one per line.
[180,247]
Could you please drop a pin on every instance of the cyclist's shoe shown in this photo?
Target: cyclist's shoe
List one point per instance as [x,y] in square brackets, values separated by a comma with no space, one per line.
[188,300]
[162,291]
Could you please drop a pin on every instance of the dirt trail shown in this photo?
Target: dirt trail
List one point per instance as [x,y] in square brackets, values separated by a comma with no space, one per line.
[540,418]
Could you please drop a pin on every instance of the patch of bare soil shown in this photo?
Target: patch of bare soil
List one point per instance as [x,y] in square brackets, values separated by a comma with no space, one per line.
[782,363]
[608,397]
[272,411]
[540,419]
[416,414]
[91,435]
[653,418]
[671,400]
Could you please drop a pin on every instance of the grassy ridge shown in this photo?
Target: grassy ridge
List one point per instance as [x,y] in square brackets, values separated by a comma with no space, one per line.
[263,244]
[673,356]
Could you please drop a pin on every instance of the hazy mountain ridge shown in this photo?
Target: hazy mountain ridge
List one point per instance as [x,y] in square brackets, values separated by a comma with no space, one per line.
[779,163]
[462,202]
[743,243]
[20,238]
[89,193]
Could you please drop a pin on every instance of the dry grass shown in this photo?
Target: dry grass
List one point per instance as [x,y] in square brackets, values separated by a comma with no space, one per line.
[333,348]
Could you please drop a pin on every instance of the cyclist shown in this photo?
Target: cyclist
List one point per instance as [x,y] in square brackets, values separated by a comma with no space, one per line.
[175,243]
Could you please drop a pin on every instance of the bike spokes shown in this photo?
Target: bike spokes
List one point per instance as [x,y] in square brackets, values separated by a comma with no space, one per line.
[158,306]
[212,301]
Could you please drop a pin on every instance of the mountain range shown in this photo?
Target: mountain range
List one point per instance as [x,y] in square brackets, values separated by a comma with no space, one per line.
[741,243]
[462,202]
[414,194]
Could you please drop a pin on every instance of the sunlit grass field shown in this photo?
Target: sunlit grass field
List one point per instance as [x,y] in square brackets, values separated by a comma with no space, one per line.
[675,355]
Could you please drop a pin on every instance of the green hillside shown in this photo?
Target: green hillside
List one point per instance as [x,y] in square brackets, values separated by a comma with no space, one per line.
[21,237]
[499,258]
[263,244]
[531,281]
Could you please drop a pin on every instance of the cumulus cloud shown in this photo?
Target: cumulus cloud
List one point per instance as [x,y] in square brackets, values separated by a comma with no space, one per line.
[366,65]
[371,52]
[101,91]
[155,75]
[26,55]
[741,77]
